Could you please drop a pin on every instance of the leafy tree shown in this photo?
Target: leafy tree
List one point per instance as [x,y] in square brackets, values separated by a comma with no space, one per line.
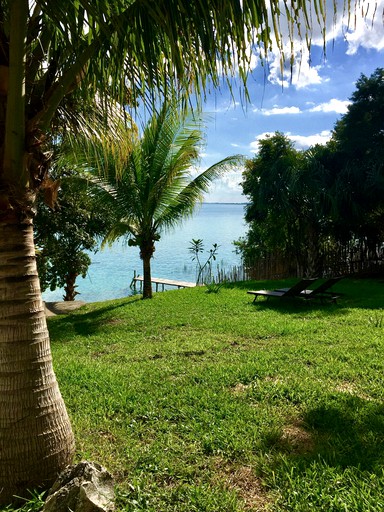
[62,235]
[329,195]
[359,134]
[150,188]
[313,206]
[288,201]
[271,210]
[358,162]
[55,56]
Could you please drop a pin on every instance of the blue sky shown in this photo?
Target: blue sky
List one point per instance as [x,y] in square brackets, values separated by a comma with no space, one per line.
[304,108]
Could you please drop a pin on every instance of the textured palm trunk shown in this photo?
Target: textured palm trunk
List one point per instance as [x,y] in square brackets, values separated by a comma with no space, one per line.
[36,440]
[70,286]
[146,252]
[147,286]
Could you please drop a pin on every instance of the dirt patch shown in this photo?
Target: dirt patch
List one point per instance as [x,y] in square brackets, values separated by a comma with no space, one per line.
[240,388]
[298,439]
[350,389]
[247,485]
[113,321]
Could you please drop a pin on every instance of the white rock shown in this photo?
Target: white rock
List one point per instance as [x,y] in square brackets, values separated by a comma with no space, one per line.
[85,487]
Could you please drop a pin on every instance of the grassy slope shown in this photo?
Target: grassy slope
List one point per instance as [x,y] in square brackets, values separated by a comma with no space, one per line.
[207,402]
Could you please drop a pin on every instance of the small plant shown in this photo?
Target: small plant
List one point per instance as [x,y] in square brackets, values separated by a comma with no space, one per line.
[213,286]
[377,319]
[32,504]
[203,269]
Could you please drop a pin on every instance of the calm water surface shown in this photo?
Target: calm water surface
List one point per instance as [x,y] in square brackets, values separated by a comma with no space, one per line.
[112,269]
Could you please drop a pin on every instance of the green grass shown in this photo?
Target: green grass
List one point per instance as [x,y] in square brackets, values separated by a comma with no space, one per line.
[207,402]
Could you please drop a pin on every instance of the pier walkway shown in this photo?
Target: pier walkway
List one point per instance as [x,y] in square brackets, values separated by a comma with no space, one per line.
[163,282]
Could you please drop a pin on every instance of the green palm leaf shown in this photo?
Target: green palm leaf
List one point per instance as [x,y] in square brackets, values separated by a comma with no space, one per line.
[150,185]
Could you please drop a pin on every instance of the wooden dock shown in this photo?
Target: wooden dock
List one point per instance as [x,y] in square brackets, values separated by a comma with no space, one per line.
[163,282]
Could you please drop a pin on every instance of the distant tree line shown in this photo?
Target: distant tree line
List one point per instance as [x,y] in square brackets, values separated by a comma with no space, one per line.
[321,211]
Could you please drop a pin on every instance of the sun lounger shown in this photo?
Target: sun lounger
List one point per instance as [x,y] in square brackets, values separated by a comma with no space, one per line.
[294,291]
[321,292]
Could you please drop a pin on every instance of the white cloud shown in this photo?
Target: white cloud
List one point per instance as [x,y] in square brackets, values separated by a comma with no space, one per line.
[305,141]
[281,111]
[226,188]
[298,72]
[362,28]
[359,22]
[300,141]
[289,59]
[254,145]
[223,107]
[367,31]
[232,179]
[333,105]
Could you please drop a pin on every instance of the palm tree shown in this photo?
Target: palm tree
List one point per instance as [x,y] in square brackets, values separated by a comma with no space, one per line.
[149,187]
[55,56]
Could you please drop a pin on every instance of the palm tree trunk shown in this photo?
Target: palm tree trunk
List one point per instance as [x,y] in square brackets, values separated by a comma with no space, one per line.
[70,286]
[36,440]
[147,286]
[146,252]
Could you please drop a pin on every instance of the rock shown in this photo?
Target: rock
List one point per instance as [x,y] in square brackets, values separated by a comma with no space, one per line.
[62,307]
[85,487]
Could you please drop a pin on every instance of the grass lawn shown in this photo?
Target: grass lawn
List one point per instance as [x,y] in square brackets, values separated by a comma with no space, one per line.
[208,402]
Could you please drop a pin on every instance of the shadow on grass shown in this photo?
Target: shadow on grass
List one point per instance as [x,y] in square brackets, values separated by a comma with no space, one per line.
[85,322]
[292,306]
[344,432]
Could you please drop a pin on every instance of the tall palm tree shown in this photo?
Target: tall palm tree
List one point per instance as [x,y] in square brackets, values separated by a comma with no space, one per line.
[53,54]
[149,187]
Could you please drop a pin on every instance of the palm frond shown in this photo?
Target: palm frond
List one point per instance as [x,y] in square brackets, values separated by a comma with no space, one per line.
[128,49]
[121,229]
[149,184]
[184,202]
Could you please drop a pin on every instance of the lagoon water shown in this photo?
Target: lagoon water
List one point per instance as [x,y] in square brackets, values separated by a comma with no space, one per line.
[112,269]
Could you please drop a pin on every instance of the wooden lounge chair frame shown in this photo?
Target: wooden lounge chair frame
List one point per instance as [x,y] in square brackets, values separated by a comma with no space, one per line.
[294,291]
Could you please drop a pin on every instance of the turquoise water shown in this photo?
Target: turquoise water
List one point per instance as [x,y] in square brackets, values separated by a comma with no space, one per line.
[112,269]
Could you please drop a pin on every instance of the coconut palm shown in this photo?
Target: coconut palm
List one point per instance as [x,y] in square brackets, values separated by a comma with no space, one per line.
[55,56]
[149,187]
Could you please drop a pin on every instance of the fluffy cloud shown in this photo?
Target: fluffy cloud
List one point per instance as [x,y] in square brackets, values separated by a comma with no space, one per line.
[254,145]
[305,141]
[362,28]
[281,111]
[300,141]
[367,31]
[227,188]
[333,105]
[301,75]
